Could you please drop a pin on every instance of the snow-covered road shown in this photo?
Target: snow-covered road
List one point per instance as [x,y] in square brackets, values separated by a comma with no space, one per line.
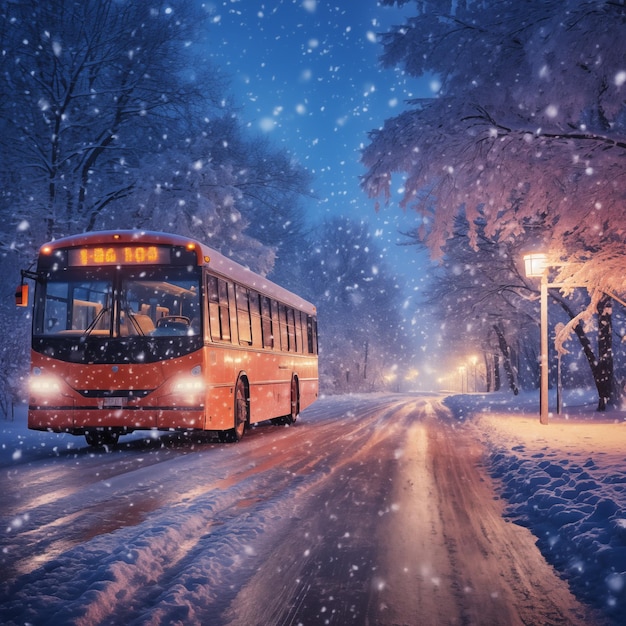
[370,510]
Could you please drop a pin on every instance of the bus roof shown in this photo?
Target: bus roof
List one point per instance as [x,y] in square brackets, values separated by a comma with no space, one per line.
[207,256]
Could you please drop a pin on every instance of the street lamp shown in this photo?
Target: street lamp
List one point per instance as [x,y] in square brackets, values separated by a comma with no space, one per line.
[536,266]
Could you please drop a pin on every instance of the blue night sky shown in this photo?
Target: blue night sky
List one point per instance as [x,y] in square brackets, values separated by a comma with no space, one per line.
[307,73]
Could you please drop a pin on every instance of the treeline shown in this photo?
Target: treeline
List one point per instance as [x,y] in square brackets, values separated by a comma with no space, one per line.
[520,147]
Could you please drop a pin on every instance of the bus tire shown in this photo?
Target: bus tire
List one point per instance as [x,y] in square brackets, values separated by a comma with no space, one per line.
[101,438]
[291,417]
[295,403]
[241,414]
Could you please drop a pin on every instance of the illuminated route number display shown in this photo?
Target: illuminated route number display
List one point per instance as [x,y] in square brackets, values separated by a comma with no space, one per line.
[119,255]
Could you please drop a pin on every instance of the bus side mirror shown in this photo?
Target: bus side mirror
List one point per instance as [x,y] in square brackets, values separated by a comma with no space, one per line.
[21,295]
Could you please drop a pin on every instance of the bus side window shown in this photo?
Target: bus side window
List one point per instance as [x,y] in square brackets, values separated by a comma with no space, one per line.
[291,330]
[243,315]
[255,319]
[299,345]
[282,321]
[275,326]
[266,322]
[219,315]
[311,335]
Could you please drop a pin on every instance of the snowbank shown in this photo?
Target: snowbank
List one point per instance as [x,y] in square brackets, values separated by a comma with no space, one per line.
[565,481]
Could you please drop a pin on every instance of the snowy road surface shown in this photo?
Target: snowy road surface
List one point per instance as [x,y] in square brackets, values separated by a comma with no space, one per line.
[370,510]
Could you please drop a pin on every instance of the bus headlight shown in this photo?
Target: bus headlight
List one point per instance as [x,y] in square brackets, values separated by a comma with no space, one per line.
[192,383]
[44,385]
[189,385]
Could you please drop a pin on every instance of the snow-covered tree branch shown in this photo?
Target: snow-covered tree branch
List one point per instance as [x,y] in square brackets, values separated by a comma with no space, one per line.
[524,138]
[527,129]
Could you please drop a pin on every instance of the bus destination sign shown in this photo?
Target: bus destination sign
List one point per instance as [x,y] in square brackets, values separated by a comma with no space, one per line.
[118,255]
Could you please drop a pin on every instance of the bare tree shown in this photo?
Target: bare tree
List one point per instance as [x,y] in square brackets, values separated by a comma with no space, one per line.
[363,339]
[480,296]
[95,85]
[111,116]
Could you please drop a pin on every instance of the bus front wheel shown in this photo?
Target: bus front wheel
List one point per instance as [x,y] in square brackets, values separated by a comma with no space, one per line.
[101,438]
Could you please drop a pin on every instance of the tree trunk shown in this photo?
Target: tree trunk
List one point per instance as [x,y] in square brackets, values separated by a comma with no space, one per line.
[497,382]
[506,354]
[602,367]
[604,374]
[488,371]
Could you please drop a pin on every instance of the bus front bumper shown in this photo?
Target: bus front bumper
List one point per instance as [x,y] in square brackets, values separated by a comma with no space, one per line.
[78,420]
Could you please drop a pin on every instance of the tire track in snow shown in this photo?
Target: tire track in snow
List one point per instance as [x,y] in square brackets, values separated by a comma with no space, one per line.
[241,473]
[371,510]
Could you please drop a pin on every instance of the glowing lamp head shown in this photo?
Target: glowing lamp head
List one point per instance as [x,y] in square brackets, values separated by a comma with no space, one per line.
[535,264]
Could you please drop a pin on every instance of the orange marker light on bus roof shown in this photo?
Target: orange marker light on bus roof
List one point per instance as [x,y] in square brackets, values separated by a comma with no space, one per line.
[46,250]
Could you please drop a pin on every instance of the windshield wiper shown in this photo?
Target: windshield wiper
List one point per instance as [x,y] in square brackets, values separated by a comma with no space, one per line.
[133,321]
[94,323]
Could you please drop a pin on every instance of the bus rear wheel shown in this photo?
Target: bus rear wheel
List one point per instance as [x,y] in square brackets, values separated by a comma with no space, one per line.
[241,415]
[295,406]
[295,402]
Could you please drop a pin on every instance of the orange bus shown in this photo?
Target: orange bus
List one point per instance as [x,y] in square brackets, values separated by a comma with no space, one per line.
[144,330]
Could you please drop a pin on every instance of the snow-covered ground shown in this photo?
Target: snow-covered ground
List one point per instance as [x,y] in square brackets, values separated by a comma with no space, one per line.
[122,520]
[565,481]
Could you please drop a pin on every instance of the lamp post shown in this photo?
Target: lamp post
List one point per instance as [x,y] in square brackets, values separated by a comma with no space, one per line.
[474,361]
[559,380]
[462,374]
[536,266]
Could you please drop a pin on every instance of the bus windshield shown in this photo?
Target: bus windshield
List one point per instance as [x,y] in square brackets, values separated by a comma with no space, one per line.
[160,308]
[75,306]
[160,302]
